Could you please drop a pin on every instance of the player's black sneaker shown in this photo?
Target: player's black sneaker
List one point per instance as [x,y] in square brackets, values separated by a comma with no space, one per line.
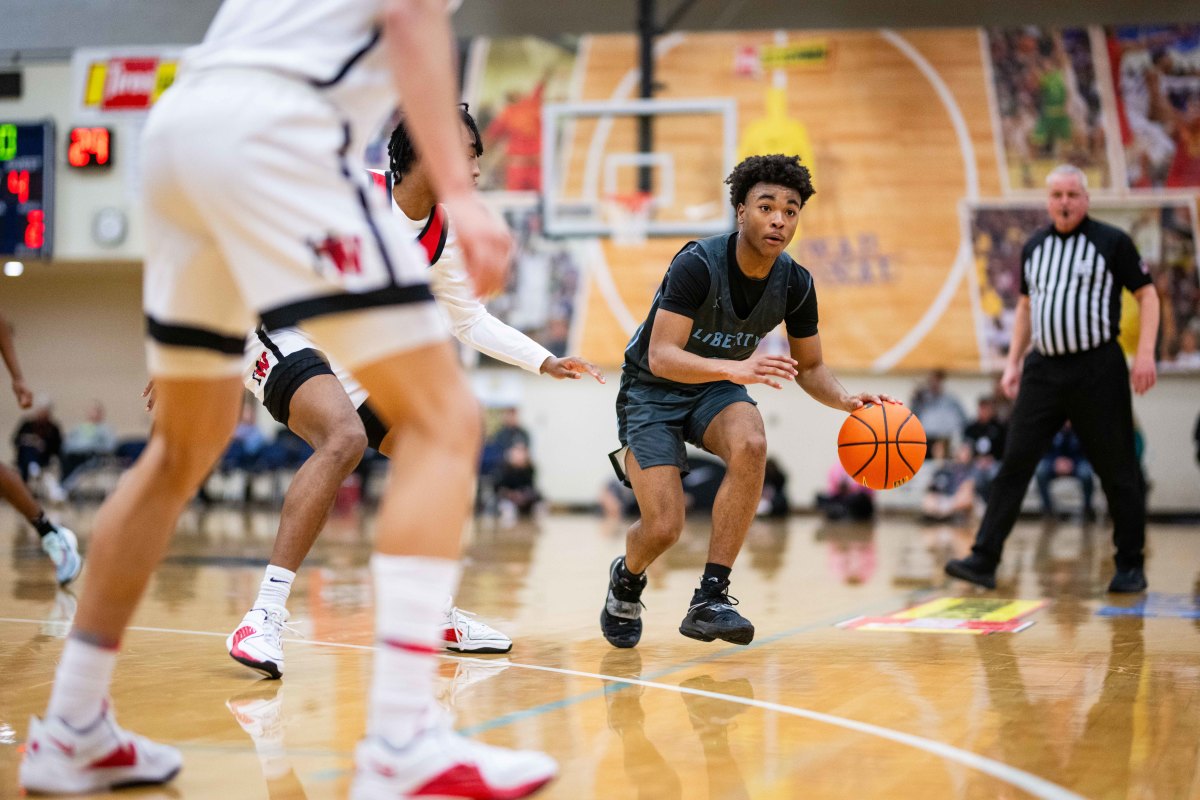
[972,569]
[712,616]
[1128,581]
[621,619]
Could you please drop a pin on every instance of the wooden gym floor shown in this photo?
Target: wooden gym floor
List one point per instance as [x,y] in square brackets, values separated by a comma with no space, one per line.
[1078,705]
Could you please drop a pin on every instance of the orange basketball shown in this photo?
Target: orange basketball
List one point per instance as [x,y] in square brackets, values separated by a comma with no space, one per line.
[882,446]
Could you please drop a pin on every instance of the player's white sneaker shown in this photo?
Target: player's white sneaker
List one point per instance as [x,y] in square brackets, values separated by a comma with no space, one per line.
[463,632]
[62,760]
[258,640]
[441,763]
[62,546]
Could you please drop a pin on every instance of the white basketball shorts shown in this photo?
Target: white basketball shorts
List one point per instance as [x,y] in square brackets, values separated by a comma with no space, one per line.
[255,211]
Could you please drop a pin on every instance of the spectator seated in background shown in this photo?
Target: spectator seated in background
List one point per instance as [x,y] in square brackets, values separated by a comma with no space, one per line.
[491,457]
[510,433]
[774,501]
[844,499]
[952,489]
[38,442]
[516,490]
[940,413]
[1065,459]
[986,435]
[92,439]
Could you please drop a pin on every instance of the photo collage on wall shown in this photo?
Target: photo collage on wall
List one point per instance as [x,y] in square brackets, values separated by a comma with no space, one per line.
[1122,104]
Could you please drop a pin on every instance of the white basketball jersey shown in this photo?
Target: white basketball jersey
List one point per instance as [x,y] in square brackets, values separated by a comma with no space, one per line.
[333,44]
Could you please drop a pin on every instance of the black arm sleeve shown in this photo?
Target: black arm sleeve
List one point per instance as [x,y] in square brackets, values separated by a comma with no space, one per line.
[686,286]
[1127,265]
[801,319]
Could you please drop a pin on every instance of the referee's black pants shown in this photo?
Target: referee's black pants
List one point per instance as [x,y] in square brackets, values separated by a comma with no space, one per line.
[1091,389]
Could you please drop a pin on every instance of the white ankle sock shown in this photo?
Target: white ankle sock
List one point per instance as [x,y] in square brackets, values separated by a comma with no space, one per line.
[410,597]
[275,588]
[81,683]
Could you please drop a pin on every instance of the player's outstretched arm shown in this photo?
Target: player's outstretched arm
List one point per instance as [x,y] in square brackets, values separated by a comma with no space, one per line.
[816,378]
[23,394]
[474,326]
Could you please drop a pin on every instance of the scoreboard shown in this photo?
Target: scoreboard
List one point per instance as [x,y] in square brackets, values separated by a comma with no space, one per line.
[26,189]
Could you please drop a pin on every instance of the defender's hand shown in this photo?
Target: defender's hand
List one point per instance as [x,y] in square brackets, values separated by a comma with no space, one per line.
[571,367]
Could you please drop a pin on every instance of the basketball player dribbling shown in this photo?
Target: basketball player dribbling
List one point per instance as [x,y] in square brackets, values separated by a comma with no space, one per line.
[258,206]
[684,379]
[323,404]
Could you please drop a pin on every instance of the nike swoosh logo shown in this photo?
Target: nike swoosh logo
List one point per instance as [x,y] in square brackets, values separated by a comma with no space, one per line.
[66,748]
[123,756]
[278,580]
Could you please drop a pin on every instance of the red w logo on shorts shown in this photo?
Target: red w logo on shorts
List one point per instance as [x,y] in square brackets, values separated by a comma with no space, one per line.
[261,367]
[343,252]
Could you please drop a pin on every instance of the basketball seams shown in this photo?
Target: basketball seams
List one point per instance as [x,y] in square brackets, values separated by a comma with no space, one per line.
[900,452]
[874,443]
[861,468]
[864,423]
[887,448]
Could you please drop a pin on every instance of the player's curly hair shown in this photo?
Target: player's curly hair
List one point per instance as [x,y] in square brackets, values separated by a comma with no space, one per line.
[778,169]
[402,152]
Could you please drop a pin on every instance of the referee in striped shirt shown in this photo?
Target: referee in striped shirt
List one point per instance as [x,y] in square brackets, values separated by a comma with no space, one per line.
[1072,273]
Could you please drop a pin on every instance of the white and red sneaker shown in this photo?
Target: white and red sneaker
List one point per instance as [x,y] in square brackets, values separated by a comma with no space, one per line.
[60,759]
[440,763]
[462,632]
[258,640]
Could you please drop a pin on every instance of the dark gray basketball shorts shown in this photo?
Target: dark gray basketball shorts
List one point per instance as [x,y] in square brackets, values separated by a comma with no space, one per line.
[654,420]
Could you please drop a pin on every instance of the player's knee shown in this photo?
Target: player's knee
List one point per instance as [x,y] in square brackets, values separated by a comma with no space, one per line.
[183,463]
[458,424]
[751,448]
[346,444]
[663,529]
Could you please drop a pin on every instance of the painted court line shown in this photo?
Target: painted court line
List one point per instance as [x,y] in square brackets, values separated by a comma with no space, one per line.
[1038,787]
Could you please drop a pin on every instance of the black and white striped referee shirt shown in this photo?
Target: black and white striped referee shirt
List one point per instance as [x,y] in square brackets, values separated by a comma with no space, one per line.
[1074,282]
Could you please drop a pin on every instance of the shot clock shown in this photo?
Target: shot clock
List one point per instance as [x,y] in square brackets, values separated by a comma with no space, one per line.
[89,148]
[26,189]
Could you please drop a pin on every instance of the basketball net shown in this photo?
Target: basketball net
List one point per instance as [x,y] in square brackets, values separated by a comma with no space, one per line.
[629,217]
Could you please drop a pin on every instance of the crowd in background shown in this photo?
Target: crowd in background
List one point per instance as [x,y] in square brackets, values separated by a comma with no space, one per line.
[964,452]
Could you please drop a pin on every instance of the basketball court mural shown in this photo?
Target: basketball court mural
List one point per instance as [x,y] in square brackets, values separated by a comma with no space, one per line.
[929,151]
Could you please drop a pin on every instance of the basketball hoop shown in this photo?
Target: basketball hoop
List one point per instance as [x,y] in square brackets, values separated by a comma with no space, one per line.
[629,217]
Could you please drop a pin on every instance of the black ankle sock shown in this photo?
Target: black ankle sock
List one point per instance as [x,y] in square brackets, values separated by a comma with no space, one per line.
[43,525]
[624,572]
[716,572]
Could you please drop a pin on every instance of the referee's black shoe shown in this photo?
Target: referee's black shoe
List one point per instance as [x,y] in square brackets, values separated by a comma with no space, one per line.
[1128,581]
[712,616]
[621,619]
[972,569]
